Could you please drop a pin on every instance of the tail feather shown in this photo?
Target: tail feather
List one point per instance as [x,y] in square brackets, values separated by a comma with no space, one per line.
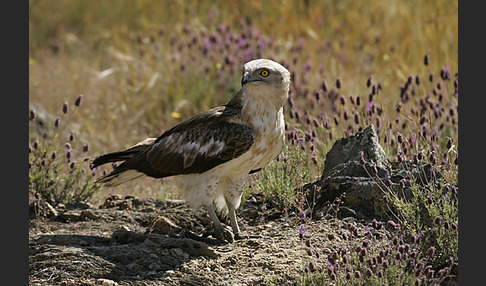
[122,173]
[114,157]
[117,178]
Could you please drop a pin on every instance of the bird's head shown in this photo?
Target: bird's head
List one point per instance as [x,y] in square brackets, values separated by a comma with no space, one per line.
[267,78]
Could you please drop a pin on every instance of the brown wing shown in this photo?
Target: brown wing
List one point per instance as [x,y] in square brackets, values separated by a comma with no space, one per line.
[198,148]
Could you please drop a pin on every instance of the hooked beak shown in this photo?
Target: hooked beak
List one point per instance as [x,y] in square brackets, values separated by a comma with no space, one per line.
[245,79]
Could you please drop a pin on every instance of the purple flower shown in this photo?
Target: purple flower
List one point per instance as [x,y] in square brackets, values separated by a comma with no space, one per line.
[426,59]
[78,100]
[338,83]
[370,107]
[367,229]
[312,266]
[302,230]
[329,264]
[388,182]
[306,67]
[307,242]
[65,107]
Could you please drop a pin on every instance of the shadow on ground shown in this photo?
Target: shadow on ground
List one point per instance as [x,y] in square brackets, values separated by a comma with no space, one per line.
[126,256]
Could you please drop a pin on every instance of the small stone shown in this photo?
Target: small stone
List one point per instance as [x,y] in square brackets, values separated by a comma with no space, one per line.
[177,252]
[51,211]
[69,216]
[88,215]
[106,282]
[124,205]
[154,266]
[162,225]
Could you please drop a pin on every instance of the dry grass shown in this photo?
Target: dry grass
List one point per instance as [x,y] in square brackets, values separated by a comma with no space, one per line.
[134,65]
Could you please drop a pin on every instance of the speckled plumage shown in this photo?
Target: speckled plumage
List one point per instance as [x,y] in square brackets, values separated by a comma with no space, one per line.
[213,152]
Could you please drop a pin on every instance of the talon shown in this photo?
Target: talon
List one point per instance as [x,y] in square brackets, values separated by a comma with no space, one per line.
[240,236]
[224,234]
[228,235]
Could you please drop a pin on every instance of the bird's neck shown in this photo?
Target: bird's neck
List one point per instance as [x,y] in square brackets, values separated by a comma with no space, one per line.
[262,111]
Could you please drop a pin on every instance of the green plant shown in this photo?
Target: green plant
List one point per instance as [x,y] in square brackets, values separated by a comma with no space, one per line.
[278,181]
[366,258]
[57,172]
[431,211]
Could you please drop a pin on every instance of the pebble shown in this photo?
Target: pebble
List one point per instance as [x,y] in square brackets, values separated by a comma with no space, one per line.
[106,282]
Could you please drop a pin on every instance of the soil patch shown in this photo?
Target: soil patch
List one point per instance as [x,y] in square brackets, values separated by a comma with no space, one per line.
[127,241]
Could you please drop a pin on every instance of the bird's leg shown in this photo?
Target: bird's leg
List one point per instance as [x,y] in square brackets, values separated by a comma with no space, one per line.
[234,223]
[214,217]
[220,230]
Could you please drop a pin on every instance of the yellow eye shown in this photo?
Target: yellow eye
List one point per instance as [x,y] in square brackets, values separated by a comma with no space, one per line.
[264,73]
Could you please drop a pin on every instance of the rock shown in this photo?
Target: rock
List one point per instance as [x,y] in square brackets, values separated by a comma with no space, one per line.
[119,202]
[345,153]
[362,191]
[423,172]
[61,207]
[189,246]
[251,208]
[177,253]
[105,282]
[52,212]
[162,225]
[154,267]
[70,240]
[79,205]
[88,215]
[125,204]
[126,237]
[362,199]
[69,216]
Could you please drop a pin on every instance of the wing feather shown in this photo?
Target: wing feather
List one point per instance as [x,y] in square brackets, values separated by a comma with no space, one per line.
[200,148]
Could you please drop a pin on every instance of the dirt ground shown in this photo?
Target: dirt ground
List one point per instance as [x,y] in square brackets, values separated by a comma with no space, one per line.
[128,241]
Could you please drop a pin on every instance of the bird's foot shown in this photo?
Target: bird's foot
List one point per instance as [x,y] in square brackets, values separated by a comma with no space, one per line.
[223,234]
[240,236]
[185,233]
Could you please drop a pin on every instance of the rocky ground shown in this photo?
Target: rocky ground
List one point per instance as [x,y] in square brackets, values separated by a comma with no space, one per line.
[127,241]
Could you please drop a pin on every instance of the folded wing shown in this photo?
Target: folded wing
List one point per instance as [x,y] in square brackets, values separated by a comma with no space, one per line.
[193,146]
[200,148]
